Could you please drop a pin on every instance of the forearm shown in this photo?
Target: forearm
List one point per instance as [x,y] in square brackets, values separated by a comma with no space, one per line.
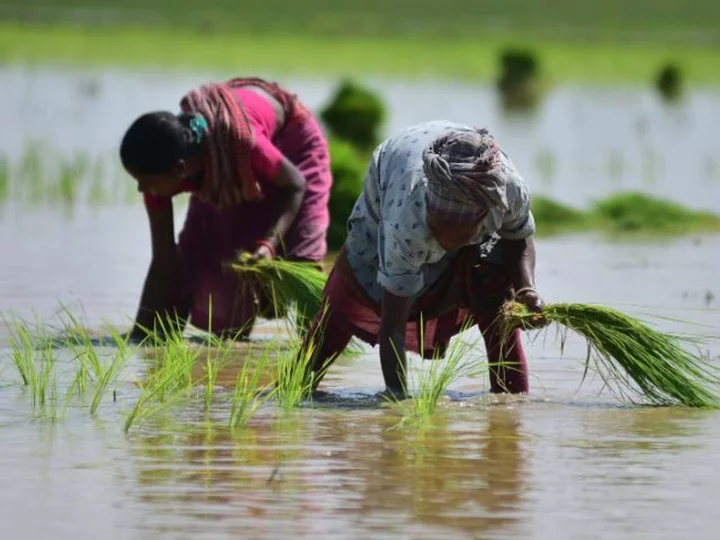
[393,322]
[158,297]
[287,210]
[393,358]
[521,262]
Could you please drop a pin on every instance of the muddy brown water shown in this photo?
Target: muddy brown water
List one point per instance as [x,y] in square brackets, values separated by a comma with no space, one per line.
[566,461]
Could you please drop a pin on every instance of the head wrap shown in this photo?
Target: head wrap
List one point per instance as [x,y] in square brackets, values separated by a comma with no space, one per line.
[465,174]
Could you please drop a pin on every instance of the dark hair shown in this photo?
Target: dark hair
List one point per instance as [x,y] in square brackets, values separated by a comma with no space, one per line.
[155,142]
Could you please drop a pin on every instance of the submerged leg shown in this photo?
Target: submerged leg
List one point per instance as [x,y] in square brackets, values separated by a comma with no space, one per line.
[508,364]
[325,341]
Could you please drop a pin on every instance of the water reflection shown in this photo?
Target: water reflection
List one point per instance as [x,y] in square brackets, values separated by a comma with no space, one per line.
[466,475]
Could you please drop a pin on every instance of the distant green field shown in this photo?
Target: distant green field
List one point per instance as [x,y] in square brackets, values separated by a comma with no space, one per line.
[657,20]
[579,41]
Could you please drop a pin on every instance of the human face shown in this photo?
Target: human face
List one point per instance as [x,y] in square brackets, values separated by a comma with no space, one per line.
[166,184]
[451,235]
[158,185]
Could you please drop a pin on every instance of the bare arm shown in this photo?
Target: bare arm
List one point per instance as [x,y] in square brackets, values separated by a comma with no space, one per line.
[521,261]
[395,313]
[292,186]
[158,295]
[521,258]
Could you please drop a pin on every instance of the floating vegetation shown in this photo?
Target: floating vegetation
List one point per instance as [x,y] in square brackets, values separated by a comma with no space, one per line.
[635,361]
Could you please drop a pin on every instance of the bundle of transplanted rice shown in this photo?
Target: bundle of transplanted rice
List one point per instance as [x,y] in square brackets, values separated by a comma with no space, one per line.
[633,360]
[286,283]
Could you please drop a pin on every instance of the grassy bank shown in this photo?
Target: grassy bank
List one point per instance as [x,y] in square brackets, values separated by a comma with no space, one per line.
[626,213]
[303,52]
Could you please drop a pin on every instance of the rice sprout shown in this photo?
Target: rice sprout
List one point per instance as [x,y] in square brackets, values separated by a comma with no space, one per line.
[286,283]
[633,360]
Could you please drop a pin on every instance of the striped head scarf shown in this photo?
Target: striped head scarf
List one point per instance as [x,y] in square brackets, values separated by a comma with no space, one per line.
[465,173]
[228,176]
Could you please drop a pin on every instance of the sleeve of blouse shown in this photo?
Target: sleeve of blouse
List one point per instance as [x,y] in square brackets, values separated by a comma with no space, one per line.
[265,158]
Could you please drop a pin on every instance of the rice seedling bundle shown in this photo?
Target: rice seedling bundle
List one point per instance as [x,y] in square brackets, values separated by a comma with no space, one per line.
[623,351]
[286,283]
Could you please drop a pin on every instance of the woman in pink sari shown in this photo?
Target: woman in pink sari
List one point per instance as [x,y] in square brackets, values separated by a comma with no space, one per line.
[258,169]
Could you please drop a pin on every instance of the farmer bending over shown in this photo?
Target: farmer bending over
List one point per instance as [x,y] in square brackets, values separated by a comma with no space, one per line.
[258,167]
[442,231]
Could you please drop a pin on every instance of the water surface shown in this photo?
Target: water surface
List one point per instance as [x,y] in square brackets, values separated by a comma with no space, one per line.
[564,462]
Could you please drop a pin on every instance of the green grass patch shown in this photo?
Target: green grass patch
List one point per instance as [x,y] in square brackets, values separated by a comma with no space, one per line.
[552,217]
[639,213]
[635,361]
[645,20]
[470,56]
[626,214]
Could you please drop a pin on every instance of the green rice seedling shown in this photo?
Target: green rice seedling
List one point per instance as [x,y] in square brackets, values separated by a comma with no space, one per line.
[215,357]
[41,382]
[295,379]
[211,370]
[249,393]
[46,377]
[23,353]
[31,174]
[79,384]
[33,358]
[70,175]
[88,365]
[286,283]
[433,383]
[169,379]
[634,361]
[44,394]
[111,370]
[4,178]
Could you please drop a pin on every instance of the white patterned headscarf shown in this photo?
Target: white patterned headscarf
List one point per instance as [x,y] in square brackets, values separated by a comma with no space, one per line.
[465,173]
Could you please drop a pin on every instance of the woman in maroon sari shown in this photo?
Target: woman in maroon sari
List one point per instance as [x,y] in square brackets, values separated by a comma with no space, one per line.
[258,169]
